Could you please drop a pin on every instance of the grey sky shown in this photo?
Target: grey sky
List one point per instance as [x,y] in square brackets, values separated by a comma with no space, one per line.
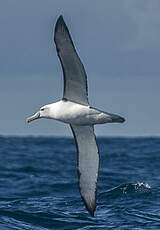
[119,44]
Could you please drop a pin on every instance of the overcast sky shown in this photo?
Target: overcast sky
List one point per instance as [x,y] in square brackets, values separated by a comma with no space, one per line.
[119,44]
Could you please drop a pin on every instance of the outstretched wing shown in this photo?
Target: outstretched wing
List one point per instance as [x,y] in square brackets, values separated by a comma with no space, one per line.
[75,79]
[88,164]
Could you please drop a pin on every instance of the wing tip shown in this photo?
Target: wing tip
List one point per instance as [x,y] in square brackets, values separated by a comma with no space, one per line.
[91,210]
[90,205]
[61,31]
[60,20]
[60,24]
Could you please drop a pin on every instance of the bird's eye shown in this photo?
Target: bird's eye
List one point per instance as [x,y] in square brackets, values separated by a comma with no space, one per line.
[42,109]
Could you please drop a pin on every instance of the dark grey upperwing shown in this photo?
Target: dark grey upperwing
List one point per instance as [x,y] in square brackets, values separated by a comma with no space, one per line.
[75,79]
[88,164]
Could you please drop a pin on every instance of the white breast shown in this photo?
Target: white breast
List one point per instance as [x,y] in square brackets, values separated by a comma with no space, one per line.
[68,112]
[77,114]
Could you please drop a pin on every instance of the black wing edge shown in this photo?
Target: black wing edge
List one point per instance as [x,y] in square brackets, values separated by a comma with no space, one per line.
[90,210]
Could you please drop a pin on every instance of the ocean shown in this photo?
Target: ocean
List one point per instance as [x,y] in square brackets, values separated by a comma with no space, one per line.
[39,190]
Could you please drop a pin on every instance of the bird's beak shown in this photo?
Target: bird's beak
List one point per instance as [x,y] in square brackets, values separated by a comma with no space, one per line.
[116,118]
[34,117]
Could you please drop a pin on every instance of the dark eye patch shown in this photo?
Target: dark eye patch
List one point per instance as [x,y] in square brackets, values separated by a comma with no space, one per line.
[42,109]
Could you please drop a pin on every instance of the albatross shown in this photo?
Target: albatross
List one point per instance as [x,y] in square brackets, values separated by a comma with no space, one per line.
[75,110]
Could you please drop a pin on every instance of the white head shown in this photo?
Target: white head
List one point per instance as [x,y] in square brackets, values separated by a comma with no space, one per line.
[43,112]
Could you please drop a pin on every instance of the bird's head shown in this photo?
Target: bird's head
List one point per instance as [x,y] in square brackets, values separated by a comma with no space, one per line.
[43,112]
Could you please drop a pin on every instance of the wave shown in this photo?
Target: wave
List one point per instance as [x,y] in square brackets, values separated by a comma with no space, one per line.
[138,188]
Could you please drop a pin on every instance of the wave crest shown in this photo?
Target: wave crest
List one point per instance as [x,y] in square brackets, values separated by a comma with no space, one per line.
[128,189]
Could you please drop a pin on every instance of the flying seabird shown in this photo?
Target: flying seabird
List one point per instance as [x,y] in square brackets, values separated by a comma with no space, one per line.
[74,109]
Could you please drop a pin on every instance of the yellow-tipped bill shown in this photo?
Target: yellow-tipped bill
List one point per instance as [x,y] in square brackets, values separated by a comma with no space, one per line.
[34,117]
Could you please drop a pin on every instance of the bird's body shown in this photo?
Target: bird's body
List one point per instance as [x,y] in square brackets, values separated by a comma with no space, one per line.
[76,114]
[74,109]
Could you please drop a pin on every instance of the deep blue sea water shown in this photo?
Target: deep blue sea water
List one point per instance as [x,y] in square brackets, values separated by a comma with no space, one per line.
[39,191]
